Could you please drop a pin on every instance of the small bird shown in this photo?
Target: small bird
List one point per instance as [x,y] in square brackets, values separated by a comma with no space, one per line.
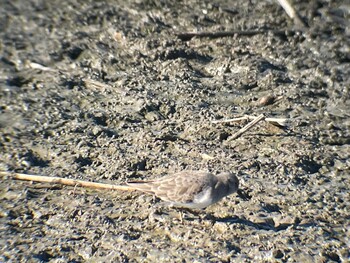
[189,189]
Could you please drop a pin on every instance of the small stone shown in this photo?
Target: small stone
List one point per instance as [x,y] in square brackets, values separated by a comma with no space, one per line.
[96,130]
[220,227]
[277,253]
[267,100]
[153,116]
[283,221]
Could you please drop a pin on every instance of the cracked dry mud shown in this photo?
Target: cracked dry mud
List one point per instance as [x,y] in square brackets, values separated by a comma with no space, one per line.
[105,91]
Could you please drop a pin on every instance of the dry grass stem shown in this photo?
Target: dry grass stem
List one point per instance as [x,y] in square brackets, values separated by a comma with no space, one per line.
[247,127]
[276,121]
[63,181]
[291,12]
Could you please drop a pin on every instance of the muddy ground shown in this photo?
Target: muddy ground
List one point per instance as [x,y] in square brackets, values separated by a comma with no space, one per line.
[106,91]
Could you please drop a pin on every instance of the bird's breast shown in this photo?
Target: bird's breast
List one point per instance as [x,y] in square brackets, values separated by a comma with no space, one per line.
[203,199]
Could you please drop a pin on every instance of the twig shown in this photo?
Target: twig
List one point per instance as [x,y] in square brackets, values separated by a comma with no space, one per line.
[34,65]
[232,120]
[291,12]
[282,122]
[63,181]
[247,127]
[185,36]
[97,85]
[276,121]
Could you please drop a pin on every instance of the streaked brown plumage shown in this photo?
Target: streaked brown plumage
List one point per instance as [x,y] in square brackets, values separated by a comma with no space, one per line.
[189,189]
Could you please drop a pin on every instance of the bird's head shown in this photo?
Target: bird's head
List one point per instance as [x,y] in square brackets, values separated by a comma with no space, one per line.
[231,180]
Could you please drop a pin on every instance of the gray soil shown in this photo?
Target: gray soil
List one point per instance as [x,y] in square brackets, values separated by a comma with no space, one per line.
[106,91]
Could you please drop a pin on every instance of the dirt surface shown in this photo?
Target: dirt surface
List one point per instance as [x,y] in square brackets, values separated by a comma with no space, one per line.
[107,92]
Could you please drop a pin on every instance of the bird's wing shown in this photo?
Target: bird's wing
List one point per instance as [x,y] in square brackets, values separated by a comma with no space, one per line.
[181,187]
